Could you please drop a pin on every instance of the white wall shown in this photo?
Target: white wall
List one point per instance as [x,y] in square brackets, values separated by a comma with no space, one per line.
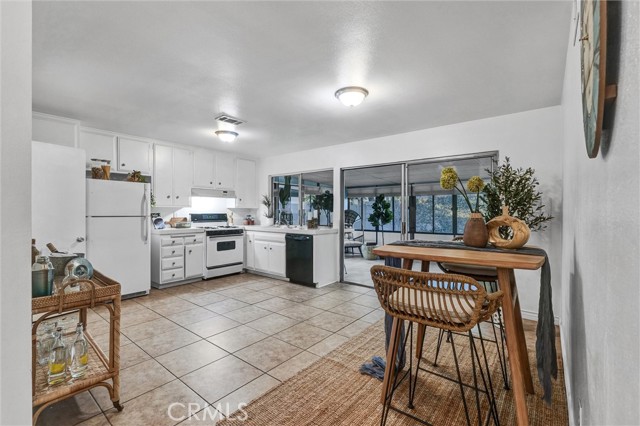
[15,212]
[600,273]
[532,138]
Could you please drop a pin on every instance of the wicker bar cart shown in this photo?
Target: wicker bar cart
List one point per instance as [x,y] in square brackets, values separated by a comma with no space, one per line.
[99,291]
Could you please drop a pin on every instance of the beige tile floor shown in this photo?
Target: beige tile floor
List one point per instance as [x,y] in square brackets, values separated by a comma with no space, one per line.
[215,344]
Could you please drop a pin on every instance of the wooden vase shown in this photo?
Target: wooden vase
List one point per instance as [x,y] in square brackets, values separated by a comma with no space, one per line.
[519,228]
[475,231]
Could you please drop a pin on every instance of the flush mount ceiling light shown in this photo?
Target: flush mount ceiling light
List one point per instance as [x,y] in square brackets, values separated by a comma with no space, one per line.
[226,135]
[352,96]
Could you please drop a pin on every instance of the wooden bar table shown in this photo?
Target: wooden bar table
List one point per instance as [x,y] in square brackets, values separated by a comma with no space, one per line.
[505,264]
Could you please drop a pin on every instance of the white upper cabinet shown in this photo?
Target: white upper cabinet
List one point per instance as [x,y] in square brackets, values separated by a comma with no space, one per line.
[98,144]
[224,171]
[246,193]
[204,169]
[214,170]
[163,175]
[182,176]
[134,154]
[172,177]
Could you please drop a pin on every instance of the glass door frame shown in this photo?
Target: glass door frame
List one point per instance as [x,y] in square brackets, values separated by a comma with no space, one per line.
[404,193]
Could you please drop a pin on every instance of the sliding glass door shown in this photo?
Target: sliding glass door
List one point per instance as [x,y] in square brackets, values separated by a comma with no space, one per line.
[387,203]
[434,213]
[373,215]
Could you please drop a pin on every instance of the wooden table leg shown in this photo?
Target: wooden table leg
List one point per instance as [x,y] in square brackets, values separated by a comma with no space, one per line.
[389,371]
[424,267]
[522,342]
[515,358]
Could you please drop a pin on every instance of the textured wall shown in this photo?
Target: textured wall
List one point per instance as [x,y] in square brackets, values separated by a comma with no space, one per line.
[600,243]
[15,212]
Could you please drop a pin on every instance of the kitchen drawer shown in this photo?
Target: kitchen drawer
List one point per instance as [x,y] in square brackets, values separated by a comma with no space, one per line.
[168,240]
[172,275]
[194,239]
[172,251]
[172,262]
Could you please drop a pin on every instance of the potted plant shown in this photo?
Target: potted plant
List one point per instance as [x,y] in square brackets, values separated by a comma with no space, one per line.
[284,195]
[324,202]
[516,189]
[475,230]
[266,201]
[380,216]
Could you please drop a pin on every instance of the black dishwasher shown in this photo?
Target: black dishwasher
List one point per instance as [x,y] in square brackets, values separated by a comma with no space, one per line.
[300,258]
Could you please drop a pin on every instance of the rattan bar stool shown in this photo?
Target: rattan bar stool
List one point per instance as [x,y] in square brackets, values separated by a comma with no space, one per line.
[488,277]
[449,302]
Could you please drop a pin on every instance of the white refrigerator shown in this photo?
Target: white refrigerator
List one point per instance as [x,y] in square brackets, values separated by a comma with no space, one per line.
[118,227]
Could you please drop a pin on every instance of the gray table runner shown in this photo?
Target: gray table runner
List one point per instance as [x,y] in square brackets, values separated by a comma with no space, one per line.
[546,356]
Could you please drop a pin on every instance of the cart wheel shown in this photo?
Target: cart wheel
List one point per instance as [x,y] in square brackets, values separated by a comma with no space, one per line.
[117,406]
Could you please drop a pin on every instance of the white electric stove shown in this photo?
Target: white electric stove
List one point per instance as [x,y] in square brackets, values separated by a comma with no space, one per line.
[224,245]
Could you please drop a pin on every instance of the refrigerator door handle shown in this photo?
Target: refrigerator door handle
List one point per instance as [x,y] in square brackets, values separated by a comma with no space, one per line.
[145,214]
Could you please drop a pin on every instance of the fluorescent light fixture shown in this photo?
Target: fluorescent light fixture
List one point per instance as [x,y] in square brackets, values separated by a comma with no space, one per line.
[226,135]
[352,96]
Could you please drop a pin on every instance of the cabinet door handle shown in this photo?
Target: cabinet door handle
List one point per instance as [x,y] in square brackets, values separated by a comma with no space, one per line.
[194,240]
[270,248]
[210,183]
[173,263]
[189,251]
[168,196]
[177,196]
[173,275]
[80,239]
[173,251]
[220,183]
[123,164]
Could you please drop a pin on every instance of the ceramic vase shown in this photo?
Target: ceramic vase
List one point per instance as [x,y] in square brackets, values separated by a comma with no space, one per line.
[475,231]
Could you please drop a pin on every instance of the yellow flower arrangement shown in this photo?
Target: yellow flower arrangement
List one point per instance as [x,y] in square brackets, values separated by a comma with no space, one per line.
[449,179]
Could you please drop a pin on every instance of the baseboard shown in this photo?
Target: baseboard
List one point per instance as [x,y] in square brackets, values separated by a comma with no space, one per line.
[567,381]
[533,316]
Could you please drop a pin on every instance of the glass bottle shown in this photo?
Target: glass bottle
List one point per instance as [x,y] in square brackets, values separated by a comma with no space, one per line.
[45,338]
[57,360]
[41,277]
[79,357]
[70,278]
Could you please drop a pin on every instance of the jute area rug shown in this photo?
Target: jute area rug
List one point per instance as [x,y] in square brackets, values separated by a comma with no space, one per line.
[333,392]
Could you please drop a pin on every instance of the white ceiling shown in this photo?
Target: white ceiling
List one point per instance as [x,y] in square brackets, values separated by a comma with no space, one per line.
[164,69]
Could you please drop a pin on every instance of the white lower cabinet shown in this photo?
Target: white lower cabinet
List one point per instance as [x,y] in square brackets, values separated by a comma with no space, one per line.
[250,255]
[193,260]
[266,252]
[176,258]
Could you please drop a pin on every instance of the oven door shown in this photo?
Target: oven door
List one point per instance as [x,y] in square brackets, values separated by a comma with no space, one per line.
[223,250]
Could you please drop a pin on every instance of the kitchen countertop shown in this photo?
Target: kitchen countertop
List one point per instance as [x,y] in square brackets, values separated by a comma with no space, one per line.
[177,231]
[285,230]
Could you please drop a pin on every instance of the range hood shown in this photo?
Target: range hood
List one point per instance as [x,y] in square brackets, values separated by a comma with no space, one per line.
[209,192]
